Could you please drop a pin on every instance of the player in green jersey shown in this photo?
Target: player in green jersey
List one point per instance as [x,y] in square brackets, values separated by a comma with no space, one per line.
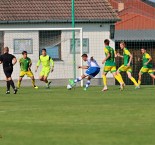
[126,67]
[147,65]
[46,62]
[110,65]
[25,69]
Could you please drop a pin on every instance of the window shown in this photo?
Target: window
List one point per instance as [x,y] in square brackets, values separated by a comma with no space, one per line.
[21,45]
[51,41]
[77,45]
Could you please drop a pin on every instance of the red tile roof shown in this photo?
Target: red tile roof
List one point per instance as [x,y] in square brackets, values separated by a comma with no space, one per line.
[136,15]
[56,10]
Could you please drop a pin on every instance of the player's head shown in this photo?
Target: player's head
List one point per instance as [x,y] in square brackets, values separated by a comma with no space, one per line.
[106,42]
[24,53]
[84,57]
[6,49]
[143,50]
[122,44]
[43,51]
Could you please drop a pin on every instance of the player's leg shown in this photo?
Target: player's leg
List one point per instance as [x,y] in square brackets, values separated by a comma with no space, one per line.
[8,74]
[21,75]
[30,74]
[73,82]
[142,70]
[45,79]
[87,83]
[132,79]
[120,69]
[93,71]
[7,86]
[105,71]
[151,73]
[19,82]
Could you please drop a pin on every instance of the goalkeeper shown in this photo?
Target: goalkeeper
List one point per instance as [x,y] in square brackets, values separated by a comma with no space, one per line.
[46,62]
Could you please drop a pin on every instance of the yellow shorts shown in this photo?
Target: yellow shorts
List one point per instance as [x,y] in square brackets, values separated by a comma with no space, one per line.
[124,68]
[109,68]
[45,72]
[146,70]
[28,73]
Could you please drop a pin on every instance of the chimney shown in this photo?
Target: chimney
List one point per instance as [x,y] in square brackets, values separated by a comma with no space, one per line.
[120,6]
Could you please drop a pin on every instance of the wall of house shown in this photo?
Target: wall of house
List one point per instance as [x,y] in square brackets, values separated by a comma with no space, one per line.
[96,34]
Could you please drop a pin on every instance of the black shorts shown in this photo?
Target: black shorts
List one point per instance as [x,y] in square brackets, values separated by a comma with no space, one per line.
[8,71]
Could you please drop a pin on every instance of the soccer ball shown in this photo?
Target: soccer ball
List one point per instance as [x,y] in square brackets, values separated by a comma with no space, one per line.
[69,87]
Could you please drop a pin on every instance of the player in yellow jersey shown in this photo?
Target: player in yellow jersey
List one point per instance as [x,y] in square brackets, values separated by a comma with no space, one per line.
[126,67]
[147,65]
[25,69]
[47,67]
[110,65]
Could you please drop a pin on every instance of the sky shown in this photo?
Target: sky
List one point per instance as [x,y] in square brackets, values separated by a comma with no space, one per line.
[152,0]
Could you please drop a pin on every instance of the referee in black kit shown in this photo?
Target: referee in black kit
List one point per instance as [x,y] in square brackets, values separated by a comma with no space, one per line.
[8,61]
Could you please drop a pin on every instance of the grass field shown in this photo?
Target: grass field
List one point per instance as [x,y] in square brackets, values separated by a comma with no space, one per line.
[60,117]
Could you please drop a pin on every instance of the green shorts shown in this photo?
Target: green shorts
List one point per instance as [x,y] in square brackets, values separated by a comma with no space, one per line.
[45,72]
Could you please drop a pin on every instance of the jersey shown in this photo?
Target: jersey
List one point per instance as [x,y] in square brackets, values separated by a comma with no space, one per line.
[46,61]
[92,63]
[111,60]
[6,59]
[146,58]
[25,64]
[126,56]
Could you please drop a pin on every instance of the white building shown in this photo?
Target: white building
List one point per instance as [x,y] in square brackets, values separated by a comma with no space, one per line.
[96,17]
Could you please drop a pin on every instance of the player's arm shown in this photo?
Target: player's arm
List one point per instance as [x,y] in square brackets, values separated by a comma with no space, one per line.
[131,57]
[83,67]
[30,64]
[14,60]
[105,59]
[149,59]
[52,63]
[38,64]
[119,55]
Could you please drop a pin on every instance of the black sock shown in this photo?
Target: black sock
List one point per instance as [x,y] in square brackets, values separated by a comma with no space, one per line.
[12,84]
[8,85]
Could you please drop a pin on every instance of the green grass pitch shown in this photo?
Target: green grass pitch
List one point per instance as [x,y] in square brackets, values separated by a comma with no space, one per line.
[57,116]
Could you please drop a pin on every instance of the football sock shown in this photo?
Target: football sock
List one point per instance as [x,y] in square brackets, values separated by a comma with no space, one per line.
[18,84]
[120,78]
[87,83]
[104,80]
[33,83]
[139,82]
[8,85]
[12,84]
[77,80]
[134,81]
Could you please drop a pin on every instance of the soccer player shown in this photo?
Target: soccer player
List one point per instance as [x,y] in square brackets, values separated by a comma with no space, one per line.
[126,67]
[8,61]
[25,66]
[47,62]
[92,69]
[110,65]
[147,65]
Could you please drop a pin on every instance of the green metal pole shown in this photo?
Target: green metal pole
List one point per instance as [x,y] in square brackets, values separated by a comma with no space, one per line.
[73,39]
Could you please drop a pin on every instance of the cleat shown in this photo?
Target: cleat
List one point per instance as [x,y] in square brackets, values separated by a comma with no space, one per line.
[71,82]
[48,85]
[137,87]
[15,91]
[7,92]
[122,87]
[105,89]
[36,87]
